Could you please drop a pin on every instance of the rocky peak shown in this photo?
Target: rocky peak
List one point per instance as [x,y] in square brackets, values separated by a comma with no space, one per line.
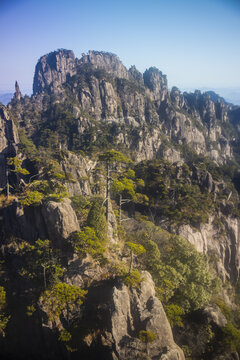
[209,105]
[17,94]
[156,82]
[177,97]
[136,75]
[8,142]
[52,70]
[106,61]
[8,131]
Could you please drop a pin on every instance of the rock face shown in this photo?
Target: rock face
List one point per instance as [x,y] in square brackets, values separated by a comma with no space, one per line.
[83,106]
[214,315]
[107,61]
[224,248]
[60,220]
[120,314]
[156,82]
[52,220]
[52,71]
[135,112]
[8,142]
[141,310]
[80,170]
[17,94]
[103,89]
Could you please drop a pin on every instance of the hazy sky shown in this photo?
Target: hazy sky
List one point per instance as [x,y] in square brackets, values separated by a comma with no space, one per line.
[195,43]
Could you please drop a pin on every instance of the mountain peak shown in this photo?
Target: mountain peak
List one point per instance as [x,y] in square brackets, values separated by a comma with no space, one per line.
[52,70]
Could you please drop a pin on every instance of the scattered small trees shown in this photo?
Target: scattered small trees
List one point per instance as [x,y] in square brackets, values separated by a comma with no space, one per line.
[135,249]
[62,298]
[41,259]
[86,242]
[14,165]
[110,157]
[181,274]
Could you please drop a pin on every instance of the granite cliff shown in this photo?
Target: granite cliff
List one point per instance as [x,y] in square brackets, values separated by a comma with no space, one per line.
[183,176]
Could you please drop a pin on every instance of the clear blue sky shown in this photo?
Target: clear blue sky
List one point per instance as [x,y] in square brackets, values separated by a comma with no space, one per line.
[195,43]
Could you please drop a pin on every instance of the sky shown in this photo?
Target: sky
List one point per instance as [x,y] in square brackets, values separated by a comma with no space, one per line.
[195,43]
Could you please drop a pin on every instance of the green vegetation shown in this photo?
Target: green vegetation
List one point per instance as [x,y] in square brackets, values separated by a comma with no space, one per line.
[3,317]
[147,336]
[174,314]
[62,297]
[86,242]
[169,194]
[174,197]
[96,219]
[16,163]
[231,338]
[181,274]
[41,262]
[81,204]
[135,249]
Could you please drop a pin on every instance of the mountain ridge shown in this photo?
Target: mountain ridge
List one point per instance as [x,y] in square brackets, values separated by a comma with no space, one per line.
[152,177]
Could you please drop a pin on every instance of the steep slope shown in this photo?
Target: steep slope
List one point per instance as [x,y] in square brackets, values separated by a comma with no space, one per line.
[184,177]
[97,87]
[95,103]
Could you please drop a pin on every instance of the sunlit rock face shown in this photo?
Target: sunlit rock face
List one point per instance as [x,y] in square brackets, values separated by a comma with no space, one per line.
[120,314]
[52,70]
[8,142]
[103,89]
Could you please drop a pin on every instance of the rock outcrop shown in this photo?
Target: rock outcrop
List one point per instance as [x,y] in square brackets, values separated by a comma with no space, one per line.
[224,248]
[60,220]
[115,315]
[8,142]
[79,108]
[133,311]
[104,90]
[17,95]
[52,71]
[105,61]
[52,220]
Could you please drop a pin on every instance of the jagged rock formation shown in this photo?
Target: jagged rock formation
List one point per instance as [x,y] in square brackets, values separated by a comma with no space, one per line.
[8,142]
[225,247]
[17,95]
[52,71]
[135,311]
[123,314]
[141,116]
[80,107]
[101,88]
[52,220]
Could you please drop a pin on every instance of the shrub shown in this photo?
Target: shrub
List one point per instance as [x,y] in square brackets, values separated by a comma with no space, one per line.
[62,297]
[231,337]
[132,279]
[174,314]
[147,336]
[86,242]
[96,219]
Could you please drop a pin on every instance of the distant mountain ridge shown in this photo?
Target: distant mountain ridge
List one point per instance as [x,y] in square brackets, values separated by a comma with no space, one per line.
[5,98]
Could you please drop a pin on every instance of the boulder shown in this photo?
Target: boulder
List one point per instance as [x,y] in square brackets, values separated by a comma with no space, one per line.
[60,220]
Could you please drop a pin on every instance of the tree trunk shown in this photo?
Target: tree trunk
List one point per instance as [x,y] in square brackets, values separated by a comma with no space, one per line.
[68,314]
[131,262]
[44,277]
[7,186]
[120,208]
[108,192]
